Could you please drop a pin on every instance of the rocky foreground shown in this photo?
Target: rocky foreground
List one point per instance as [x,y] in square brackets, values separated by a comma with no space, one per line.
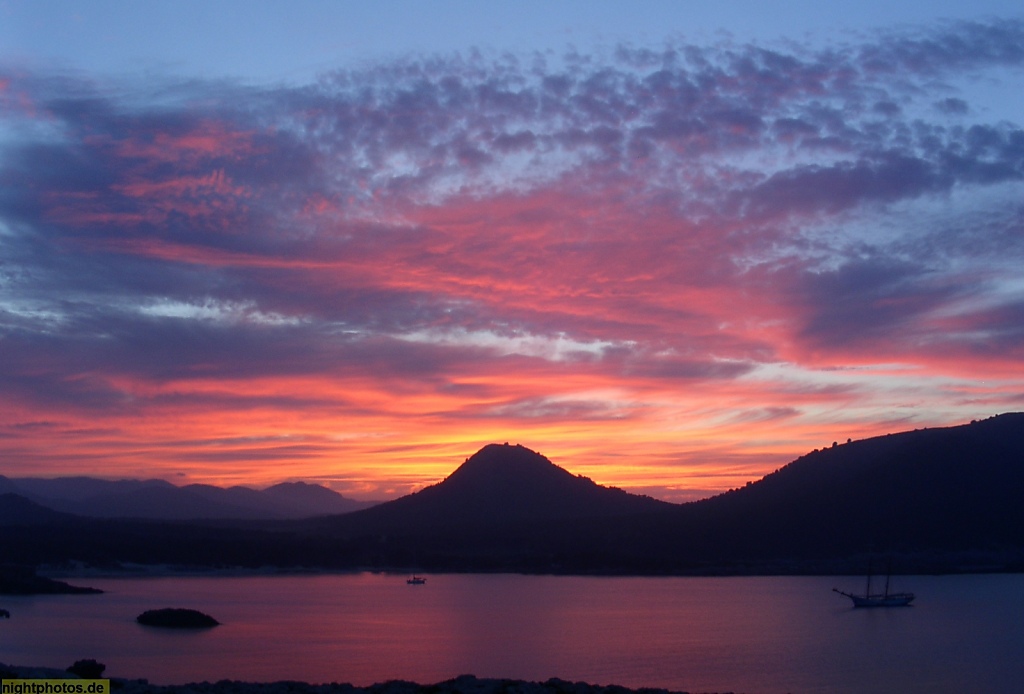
[466,684]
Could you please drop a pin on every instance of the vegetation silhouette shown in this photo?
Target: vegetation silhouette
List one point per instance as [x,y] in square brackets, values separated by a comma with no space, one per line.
[940,500]
[176,618]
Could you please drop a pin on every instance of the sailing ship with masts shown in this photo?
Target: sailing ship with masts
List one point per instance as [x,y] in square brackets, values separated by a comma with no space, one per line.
[884,599]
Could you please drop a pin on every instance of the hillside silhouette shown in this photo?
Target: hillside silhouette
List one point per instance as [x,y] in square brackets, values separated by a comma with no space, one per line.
[161,500]
[16,510]
[945,499]
[930,490]
[498,486]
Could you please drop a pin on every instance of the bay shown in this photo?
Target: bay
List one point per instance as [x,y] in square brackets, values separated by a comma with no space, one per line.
[742,634]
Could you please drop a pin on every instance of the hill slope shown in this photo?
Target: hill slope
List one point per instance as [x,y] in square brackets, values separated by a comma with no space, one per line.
[941,495]
[16,510]
[160,500]
[944,489]
[940,499]
[500,486]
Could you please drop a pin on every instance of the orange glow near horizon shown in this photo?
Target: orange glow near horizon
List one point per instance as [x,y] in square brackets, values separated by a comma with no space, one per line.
[671,274]
[379,444]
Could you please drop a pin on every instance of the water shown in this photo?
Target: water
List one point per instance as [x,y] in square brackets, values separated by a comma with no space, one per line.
[761,634]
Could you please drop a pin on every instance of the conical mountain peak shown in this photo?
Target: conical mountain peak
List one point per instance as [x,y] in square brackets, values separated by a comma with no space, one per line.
[504,484]
[508,466]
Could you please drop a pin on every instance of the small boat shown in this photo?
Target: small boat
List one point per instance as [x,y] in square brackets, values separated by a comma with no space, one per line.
[415,580]
[884,599]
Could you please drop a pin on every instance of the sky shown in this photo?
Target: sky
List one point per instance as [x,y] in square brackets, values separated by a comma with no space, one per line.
[670,245]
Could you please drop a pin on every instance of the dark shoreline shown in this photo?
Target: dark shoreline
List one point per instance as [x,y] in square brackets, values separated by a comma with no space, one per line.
[24,580]
[45,582]
[463,684]
[944,565]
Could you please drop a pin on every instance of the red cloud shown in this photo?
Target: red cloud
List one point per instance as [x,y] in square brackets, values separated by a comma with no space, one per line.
[204,141]
[678,269]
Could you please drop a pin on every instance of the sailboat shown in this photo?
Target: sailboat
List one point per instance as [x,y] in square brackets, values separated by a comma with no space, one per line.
[884,599]
[415,580]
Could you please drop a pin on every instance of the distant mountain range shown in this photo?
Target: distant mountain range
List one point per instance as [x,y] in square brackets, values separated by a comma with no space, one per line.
[160,500]
[936,499]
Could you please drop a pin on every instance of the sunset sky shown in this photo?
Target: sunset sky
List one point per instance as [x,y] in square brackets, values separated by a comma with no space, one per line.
[670,245]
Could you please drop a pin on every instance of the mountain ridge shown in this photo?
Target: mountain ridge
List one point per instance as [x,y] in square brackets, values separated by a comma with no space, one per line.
[936,494]
[155,499]
[936,487]
[502,484]
[939,500]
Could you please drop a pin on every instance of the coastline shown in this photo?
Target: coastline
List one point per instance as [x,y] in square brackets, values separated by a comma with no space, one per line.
[967,563]
[463,684]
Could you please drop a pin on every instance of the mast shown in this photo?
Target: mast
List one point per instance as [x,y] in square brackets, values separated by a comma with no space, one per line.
[867,591]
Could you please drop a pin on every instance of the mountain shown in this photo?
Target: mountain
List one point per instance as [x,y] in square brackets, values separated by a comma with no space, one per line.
[16,510]
[938,500]
[7,486]
[158,499]
[937,497]
[305,499]
[505,508]
[930,490]
[500,486]
[79,487]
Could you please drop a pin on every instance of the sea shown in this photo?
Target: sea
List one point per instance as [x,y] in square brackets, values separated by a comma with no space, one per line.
[964,633]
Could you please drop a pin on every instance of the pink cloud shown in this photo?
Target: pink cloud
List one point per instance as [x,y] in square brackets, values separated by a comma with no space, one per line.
[207,140]
[680,267]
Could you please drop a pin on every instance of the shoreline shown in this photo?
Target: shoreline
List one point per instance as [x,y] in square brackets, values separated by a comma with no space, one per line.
[172,571]
[764,571]
[463,684]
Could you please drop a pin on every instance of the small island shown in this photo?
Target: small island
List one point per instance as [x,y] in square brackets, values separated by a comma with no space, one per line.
[176,618]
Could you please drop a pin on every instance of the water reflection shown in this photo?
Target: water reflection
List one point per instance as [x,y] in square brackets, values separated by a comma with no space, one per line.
[698,634]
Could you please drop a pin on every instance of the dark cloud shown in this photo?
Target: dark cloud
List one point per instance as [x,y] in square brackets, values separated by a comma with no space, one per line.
[989,331]
[868,301]
[953,106]
[813,189]
[668,215]
[957,46]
